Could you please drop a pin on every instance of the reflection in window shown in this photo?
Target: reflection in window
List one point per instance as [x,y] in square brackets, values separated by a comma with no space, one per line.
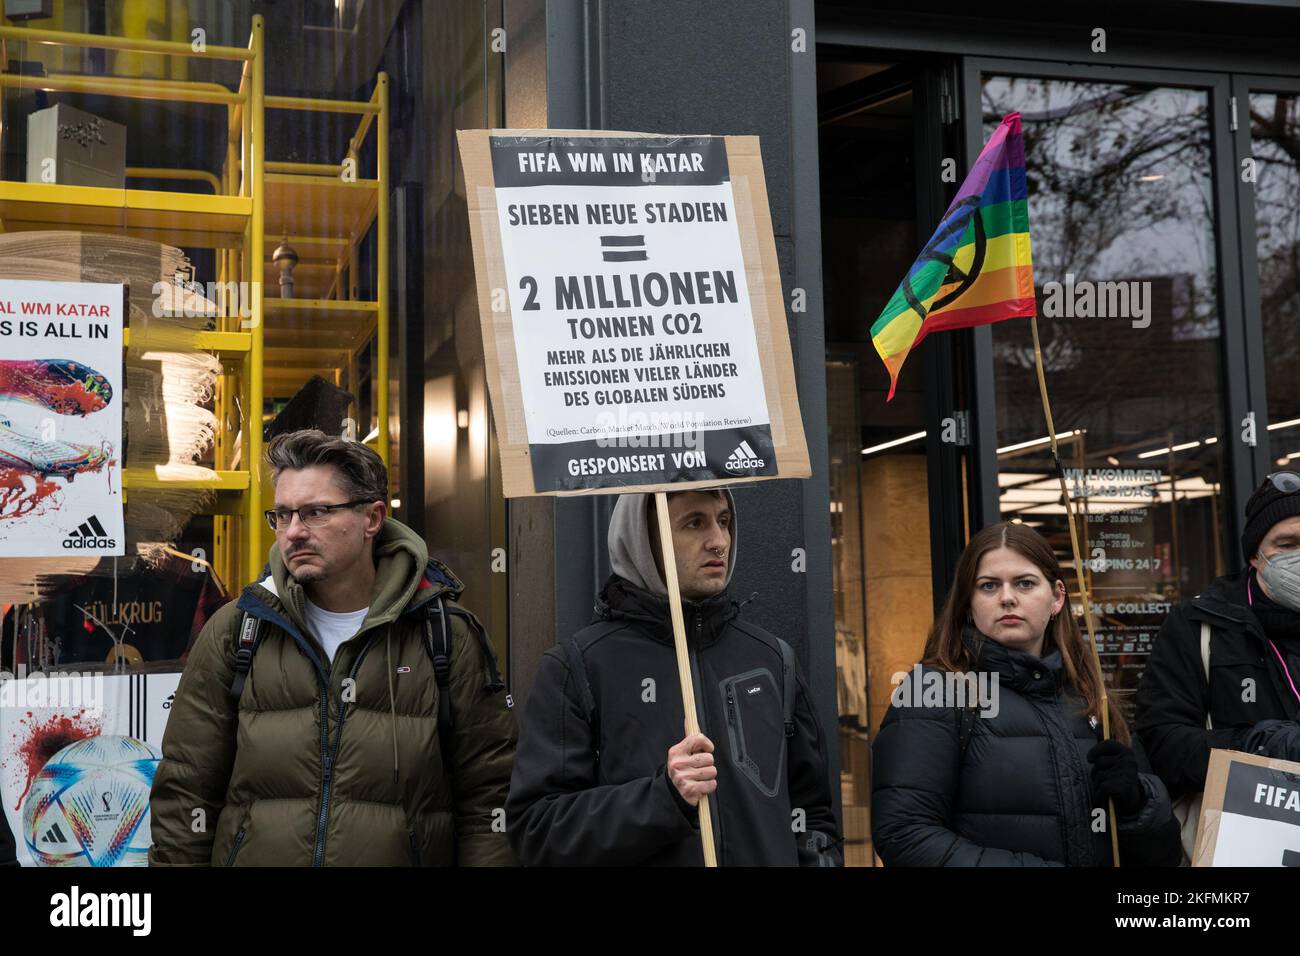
[1275,147]
[1120,204]
[879,506]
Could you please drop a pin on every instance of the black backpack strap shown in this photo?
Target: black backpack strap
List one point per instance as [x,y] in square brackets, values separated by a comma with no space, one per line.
[494,682]
[578,666]
[438,647]
[250,632]
[440,654]
[790,685]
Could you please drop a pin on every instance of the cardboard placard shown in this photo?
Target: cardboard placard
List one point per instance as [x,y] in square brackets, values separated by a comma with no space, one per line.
[634,331]
[1250,814]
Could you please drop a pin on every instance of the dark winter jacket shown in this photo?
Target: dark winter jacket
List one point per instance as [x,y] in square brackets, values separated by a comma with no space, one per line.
[1020,795]
[589,784]
[1248,698]
[338,765]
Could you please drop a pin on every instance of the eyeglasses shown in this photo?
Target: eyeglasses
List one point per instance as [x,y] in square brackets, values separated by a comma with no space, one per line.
[313,516]
[1286,482]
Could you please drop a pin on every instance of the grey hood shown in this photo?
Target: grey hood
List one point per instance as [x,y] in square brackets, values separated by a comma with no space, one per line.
[630,554]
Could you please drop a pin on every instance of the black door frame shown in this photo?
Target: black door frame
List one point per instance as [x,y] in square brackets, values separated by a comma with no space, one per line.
[1242,84]
[1051,42]
[938,136]
[1241,461]
[933,81]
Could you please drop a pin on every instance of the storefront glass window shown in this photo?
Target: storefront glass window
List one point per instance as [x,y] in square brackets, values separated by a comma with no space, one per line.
[880,539]
[1121,210]
[368,320]
[1275,147]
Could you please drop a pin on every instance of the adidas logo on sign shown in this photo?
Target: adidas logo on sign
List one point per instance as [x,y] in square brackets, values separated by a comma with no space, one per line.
[744,459]
[90,534]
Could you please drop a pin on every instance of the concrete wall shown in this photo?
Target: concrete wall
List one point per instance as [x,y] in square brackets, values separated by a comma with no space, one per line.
[728,66]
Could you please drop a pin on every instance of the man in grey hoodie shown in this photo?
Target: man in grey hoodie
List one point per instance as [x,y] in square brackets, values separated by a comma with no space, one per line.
[603,773]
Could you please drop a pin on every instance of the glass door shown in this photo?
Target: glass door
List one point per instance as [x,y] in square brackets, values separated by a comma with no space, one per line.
[1267,140]
[882,126]
[1142,340]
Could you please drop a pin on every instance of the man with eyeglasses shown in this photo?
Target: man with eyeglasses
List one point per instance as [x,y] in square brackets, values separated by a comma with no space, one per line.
[1224,671]
[346,711]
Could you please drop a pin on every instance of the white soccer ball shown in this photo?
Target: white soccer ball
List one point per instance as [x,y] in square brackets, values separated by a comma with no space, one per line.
[89,805]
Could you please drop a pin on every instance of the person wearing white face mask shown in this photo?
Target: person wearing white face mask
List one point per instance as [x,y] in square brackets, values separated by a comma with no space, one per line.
[1224,672]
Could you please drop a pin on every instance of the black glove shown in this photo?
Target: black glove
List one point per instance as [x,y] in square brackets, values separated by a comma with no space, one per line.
[1115,776]
[816,848]
[1274,738]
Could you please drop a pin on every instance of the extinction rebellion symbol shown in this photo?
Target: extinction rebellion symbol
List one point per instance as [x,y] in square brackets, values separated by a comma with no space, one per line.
[966,212]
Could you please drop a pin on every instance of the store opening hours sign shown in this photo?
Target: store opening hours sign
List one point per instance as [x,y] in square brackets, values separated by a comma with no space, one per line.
[633,325]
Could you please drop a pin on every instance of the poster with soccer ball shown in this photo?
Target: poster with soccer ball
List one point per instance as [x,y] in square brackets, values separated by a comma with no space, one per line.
[78,754]
[60,419]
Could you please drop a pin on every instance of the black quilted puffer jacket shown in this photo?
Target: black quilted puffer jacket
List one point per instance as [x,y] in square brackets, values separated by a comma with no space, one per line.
[1020,794]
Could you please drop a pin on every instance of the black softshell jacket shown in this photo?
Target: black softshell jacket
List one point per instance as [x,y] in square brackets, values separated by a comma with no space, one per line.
[589,784]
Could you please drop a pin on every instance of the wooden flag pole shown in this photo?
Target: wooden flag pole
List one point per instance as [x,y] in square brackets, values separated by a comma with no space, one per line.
[669,556]
[1078,569]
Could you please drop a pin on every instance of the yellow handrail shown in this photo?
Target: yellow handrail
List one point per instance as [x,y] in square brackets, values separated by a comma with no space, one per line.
[363,127]
[198,175]
[381,264]
[235,116]
[126,87]
[96,41]
[319,106]
[252,444]
[310,169]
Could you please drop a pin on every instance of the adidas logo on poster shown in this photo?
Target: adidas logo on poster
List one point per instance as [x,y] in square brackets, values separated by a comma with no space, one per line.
[744,459]
[90,534]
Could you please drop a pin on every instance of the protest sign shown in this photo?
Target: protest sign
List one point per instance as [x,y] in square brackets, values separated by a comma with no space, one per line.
[633,326]
[1250,813]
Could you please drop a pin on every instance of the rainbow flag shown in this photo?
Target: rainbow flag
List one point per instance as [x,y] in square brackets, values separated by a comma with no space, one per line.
[977,267]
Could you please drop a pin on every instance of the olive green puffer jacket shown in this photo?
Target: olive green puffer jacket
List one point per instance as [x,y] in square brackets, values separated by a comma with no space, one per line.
[338,765]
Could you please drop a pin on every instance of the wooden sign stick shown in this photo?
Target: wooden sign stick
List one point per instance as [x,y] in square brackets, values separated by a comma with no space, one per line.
[669,556]
[1084,596]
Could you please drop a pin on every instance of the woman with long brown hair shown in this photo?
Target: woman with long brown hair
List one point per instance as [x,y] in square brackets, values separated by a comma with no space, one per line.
[991,753]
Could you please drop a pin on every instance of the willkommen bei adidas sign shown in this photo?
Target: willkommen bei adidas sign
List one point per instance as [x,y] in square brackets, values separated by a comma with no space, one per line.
[60,419]
[633,323]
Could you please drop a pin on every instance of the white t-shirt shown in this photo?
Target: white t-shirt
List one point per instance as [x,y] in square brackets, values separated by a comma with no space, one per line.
[332,628]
